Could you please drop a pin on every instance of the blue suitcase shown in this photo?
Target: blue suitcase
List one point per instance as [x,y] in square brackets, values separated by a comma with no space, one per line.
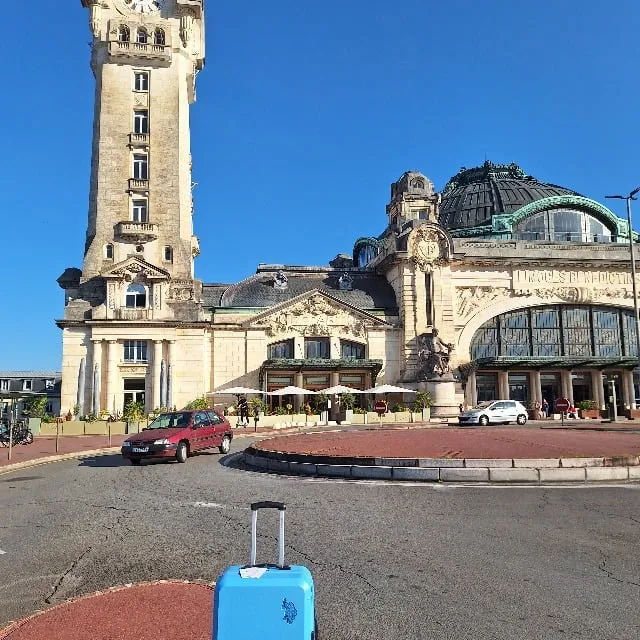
[265,601]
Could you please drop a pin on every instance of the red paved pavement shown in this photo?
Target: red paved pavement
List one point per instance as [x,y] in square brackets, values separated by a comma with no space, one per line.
[460,443]
[166,611]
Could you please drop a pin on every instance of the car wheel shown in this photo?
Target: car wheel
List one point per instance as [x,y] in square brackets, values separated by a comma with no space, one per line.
[135,463]
[182,452]
[225,445]
[521,419]
[483,421]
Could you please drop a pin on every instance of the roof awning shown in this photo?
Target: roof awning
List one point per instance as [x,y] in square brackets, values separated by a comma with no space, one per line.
[561,362]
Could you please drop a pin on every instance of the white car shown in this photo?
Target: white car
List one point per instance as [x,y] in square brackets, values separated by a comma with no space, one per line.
[496,411]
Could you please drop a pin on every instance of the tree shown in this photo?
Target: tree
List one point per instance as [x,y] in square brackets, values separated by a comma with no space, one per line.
[423,400]
[198,403]
[133,411]
[36,406]
[348,400]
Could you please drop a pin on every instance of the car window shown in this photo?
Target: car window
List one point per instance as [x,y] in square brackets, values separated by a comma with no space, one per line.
[170,420]
[201,419]
[499,405]
[214,417]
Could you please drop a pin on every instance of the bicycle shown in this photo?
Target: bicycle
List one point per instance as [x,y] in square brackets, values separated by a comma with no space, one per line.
[20,434]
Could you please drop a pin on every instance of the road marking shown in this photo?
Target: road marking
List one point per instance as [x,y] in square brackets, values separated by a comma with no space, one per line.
[208,505]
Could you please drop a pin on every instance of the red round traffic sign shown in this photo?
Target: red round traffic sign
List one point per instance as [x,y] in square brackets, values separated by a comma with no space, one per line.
[562,405]
[381,406]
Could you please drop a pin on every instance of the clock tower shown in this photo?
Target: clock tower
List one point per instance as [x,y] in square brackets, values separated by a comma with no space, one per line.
[138,267]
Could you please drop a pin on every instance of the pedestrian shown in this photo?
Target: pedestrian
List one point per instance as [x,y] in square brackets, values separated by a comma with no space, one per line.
[243,407]
[545,407]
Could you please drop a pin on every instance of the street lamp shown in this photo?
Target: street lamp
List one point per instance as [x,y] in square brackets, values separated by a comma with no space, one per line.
[628,199]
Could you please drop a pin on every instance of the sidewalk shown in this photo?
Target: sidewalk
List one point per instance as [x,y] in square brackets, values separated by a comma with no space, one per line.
[156,611]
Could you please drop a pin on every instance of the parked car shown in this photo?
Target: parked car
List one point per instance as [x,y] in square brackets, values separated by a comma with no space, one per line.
[179,434]
[496,411]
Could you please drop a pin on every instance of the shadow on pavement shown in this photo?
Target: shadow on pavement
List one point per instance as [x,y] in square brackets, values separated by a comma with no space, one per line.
[113,460]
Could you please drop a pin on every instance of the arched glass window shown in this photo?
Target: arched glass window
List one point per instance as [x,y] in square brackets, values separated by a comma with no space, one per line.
[282,349]
[108,251]
[351,350]
[557,331]
[158,37]
[365,253]
[124,35]
[136,297]
[142,36]
[563,225]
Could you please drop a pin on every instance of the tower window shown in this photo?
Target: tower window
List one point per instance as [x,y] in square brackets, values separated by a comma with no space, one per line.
[136,297]
[142,37]
[124,34]
[140,167]
[141,81]
[168,254]
[139,211]
[158,37]
[141,121]
[108,251]
[135,351]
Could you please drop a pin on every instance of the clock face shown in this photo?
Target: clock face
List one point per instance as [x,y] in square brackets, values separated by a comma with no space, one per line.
[144,6]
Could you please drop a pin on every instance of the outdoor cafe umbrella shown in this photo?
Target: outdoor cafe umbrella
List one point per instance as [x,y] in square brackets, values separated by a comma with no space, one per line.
[291,391]
[389,388]
[340,388]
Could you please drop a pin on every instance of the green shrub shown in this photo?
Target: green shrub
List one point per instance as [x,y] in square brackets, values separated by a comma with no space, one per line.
[36,406]
[256,405]
[348,400]
[133,412]
[198,403]
[397,408]
[586,405]
[90,417]
[423,400]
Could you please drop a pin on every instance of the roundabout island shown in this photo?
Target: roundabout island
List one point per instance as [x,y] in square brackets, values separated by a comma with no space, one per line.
[501,455]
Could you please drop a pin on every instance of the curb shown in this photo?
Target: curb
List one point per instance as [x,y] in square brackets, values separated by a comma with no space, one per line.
[57,458]
[15,625]
[467,470]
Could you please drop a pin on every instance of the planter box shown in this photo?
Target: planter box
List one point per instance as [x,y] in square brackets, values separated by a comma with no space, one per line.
[359,418]
[632,414]
[372,417]
[346,416]
[402,416]
[594,414]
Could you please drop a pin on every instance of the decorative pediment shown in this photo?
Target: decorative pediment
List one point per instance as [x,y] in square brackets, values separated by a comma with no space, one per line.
[316,314]
[131,268]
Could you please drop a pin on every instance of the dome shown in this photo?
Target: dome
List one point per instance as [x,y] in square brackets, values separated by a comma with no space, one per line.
[473,196]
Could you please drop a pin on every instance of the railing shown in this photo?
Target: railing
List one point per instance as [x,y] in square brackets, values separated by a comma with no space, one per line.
[137,230]
[144,49]
[139,138]
[133,314]
[136,184]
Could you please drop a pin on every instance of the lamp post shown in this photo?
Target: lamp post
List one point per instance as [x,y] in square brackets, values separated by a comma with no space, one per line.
[628,199]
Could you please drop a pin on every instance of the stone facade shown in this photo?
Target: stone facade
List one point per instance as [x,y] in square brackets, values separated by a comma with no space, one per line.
[139,326]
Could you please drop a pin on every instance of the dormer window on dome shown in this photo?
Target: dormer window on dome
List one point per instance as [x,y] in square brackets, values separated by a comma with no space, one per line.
[280,281]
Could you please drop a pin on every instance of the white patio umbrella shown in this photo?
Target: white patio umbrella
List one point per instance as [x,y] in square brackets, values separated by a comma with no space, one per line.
[340,388]
[389,388]
[235,391]
[291,391]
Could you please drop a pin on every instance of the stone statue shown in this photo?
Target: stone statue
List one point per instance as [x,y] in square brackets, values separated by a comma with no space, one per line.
[280,281]
[433,355]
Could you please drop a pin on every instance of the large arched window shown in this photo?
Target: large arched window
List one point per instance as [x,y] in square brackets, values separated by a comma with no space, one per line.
[124,34]
[282,349]
[563,225]
[142,36]
[557,331]
[136,297]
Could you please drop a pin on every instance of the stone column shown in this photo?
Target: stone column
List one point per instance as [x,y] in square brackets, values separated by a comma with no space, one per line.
[567,386]
[503,385]
[536,387]
[112,373]
[628,393]
[96,360]
[297,400]
[157,367]
[632,390]
[171,373]
[597,384]
[471,391]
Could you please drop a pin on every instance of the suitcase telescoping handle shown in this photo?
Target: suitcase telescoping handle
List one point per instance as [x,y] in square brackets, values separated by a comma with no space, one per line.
[255,507]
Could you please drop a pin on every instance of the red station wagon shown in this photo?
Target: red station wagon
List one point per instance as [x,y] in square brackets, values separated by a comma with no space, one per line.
[178,434]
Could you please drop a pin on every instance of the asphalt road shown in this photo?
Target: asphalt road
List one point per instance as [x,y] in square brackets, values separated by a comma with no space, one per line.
[389,560]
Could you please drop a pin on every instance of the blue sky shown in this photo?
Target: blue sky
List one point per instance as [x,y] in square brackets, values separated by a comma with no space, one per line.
[306,113]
